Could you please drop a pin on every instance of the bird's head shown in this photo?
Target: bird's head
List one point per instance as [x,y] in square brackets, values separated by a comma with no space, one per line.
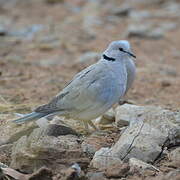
[118,49]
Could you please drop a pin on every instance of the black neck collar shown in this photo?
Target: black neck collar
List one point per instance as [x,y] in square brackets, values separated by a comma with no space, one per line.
[108,58]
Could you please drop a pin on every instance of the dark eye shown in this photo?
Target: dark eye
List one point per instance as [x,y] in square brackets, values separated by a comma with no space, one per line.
[121,49]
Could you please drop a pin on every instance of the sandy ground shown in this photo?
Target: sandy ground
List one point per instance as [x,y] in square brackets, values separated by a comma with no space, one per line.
[35,66]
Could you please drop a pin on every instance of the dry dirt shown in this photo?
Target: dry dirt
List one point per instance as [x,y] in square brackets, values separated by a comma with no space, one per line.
[34,69]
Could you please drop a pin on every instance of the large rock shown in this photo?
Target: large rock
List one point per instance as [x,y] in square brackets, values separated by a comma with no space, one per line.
[151,129]
[39,149]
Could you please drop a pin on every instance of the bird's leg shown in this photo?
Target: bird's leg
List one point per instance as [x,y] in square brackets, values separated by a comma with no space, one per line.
[86,126]
[122,101]
[125,101]
[50,117]
[92,125]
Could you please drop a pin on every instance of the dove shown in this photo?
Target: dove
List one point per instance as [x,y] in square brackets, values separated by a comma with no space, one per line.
[94,90]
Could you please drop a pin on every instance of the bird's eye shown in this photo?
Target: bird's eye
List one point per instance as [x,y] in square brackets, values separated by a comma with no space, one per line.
[121,49]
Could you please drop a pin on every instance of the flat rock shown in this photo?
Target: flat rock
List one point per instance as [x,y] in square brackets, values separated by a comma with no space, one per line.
[39,149]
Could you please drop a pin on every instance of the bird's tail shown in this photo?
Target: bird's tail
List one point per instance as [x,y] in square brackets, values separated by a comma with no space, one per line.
[29,117]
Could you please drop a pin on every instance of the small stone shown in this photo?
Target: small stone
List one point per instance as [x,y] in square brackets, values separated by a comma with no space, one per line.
[96,176]
[133,162]
[68,174]
[103,158]
[2,165]
[122,11]
[117,170]
[108,117]
[72,173]
[3,30]
[77,168]
[120,120]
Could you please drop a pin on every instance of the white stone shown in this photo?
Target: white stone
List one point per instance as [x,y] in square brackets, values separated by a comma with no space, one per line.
[103,158]
[133,162]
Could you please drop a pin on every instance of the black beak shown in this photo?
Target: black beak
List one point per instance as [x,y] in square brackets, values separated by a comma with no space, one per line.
[131,54]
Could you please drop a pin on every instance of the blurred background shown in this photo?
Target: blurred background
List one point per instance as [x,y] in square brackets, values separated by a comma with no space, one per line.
[44,43]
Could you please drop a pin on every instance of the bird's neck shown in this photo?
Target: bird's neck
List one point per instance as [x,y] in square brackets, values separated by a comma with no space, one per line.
[114,65]
[106,58]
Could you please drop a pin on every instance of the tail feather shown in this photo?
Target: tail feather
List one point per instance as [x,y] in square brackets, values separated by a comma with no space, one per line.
[29,117]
